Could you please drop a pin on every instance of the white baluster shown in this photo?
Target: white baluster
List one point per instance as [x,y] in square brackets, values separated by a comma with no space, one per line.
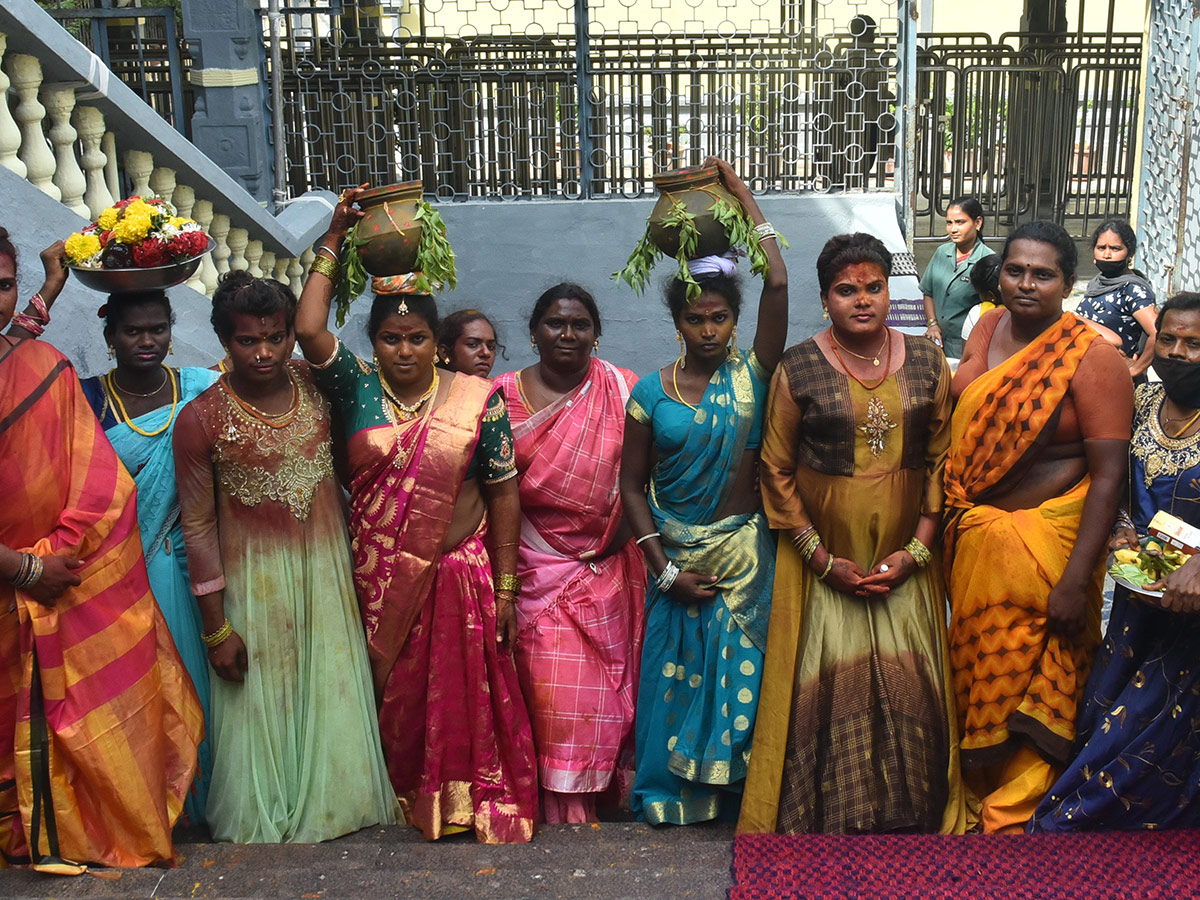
[202,212]
[35,149]
[295,271]
[238,239]
[89,122]
[184,200]
[10,134]
[162,182]
[267,264]
[306,261]
[138,166]
[111,178]
[280,271]
[60,103]
[254,252]
[220,234]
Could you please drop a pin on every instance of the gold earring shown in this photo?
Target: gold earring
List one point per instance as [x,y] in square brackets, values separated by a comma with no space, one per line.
[111,351]
[733,342]
[682,350]
[533,346]
[824,312]
[596,345]
[170,348]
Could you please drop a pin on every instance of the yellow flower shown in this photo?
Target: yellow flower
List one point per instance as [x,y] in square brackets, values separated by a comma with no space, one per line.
[135,224]
[81,247]
[180,221]
[108,219]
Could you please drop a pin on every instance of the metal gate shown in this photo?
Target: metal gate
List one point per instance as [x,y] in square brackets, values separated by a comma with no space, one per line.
[1169,190]
[1034,128]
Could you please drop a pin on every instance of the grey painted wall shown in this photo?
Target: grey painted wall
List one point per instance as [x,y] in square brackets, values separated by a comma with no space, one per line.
[507,253]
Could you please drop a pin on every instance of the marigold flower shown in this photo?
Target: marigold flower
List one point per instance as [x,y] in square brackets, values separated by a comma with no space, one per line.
[108,218]
[81,247]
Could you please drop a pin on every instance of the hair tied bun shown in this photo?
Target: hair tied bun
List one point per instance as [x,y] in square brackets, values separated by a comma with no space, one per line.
[102,311]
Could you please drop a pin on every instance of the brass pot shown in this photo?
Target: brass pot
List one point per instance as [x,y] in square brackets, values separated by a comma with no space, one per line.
[390,230]
[697,188]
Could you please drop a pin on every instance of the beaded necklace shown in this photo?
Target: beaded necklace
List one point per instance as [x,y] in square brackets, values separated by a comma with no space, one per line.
[271,420]
[400,460]
[110,388]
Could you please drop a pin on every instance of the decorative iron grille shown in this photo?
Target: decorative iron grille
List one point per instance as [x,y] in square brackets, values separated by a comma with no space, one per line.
[589,98]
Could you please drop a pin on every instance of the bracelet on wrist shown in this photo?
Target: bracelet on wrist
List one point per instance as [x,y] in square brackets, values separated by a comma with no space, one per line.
[667,577]
[919,552]
[29,572]
[509,584]
[828,567]
[217,638]
[646,537]
[323,265]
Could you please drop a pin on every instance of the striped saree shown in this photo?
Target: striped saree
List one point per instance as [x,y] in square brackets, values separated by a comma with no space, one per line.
[98,720]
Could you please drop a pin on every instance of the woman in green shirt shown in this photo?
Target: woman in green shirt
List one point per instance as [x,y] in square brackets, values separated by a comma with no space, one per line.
[946,284]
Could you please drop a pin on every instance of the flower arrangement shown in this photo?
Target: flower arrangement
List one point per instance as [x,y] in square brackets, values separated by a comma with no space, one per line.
[137,233]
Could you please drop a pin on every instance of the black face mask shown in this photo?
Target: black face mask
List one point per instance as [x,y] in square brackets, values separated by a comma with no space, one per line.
[1181,380]
[1111,268]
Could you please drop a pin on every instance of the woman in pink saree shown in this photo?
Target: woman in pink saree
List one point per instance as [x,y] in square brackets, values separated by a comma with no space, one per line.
[579,615]
[434,517]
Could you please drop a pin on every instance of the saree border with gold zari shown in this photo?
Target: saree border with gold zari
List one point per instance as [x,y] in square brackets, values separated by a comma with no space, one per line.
[99,723]
[1014,677]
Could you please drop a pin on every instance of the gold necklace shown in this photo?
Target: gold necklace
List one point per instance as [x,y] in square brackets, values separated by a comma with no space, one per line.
[874,360]
[271,420]
[675,384]
[400,460]
[162,384]
[111,388]
[409,411]
[1182,431]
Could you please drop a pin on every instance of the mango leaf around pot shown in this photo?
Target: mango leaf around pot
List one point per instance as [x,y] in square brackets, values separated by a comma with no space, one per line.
[434,262]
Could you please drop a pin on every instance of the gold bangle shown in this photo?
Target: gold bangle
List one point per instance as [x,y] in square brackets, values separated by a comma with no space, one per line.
[219,636]
[323,265]
[828,567]
[508,584]
[509,544]
[507,597]
[919,552]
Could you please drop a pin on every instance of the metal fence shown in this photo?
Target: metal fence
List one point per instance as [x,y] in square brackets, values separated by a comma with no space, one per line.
[589,98]
[142,48]
[1034,128]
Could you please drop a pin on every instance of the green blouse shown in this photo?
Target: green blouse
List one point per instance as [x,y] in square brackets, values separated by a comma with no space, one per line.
[353,386]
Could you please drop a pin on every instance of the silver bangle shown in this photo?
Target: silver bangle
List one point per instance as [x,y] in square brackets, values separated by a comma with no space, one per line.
[765,230]
[667,577]
[646,537]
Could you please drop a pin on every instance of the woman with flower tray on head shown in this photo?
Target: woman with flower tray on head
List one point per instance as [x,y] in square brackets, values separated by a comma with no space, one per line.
[435,517]
[137,403]
[692,435]
[296,754]
[98,720]
[856,729]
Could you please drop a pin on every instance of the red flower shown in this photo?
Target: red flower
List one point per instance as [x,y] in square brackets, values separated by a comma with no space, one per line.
[188,244]
[151,252]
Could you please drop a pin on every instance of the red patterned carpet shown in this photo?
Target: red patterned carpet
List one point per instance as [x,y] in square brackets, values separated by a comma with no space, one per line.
[1118,865]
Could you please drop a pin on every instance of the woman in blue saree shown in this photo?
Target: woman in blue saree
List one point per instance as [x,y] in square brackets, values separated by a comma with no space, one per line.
[699,521]
[1137,754]
[136,403]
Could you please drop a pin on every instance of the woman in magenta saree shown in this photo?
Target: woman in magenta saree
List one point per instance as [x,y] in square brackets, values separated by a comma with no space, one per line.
[434,518]
[580,612]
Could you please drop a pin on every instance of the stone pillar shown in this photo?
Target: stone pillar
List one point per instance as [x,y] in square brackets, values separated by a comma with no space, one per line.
[231,123]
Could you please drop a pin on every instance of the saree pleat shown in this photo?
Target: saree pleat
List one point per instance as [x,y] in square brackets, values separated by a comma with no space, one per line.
[99,723]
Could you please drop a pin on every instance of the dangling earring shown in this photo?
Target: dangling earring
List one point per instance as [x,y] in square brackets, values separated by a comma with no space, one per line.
[596,345]
[533,346]
[375,359]
[111,352]
[682,350]
[170,348]
[824,312]
[733,342]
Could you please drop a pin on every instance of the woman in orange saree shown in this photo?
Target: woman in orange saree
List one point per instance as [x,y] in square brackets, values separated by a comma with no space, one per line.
[435,519]
[1037,459]
[99,723]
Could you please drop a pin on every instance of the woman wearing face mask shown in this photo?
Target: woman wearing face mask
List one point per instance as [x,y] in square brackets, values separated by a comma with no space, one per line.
[467,343]
[137,403]
[1137,754]
[1119,297]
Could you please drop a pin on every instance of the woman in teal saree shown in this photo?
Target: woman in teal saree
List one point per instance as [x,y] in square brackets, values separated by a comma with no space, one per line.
[136,403]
